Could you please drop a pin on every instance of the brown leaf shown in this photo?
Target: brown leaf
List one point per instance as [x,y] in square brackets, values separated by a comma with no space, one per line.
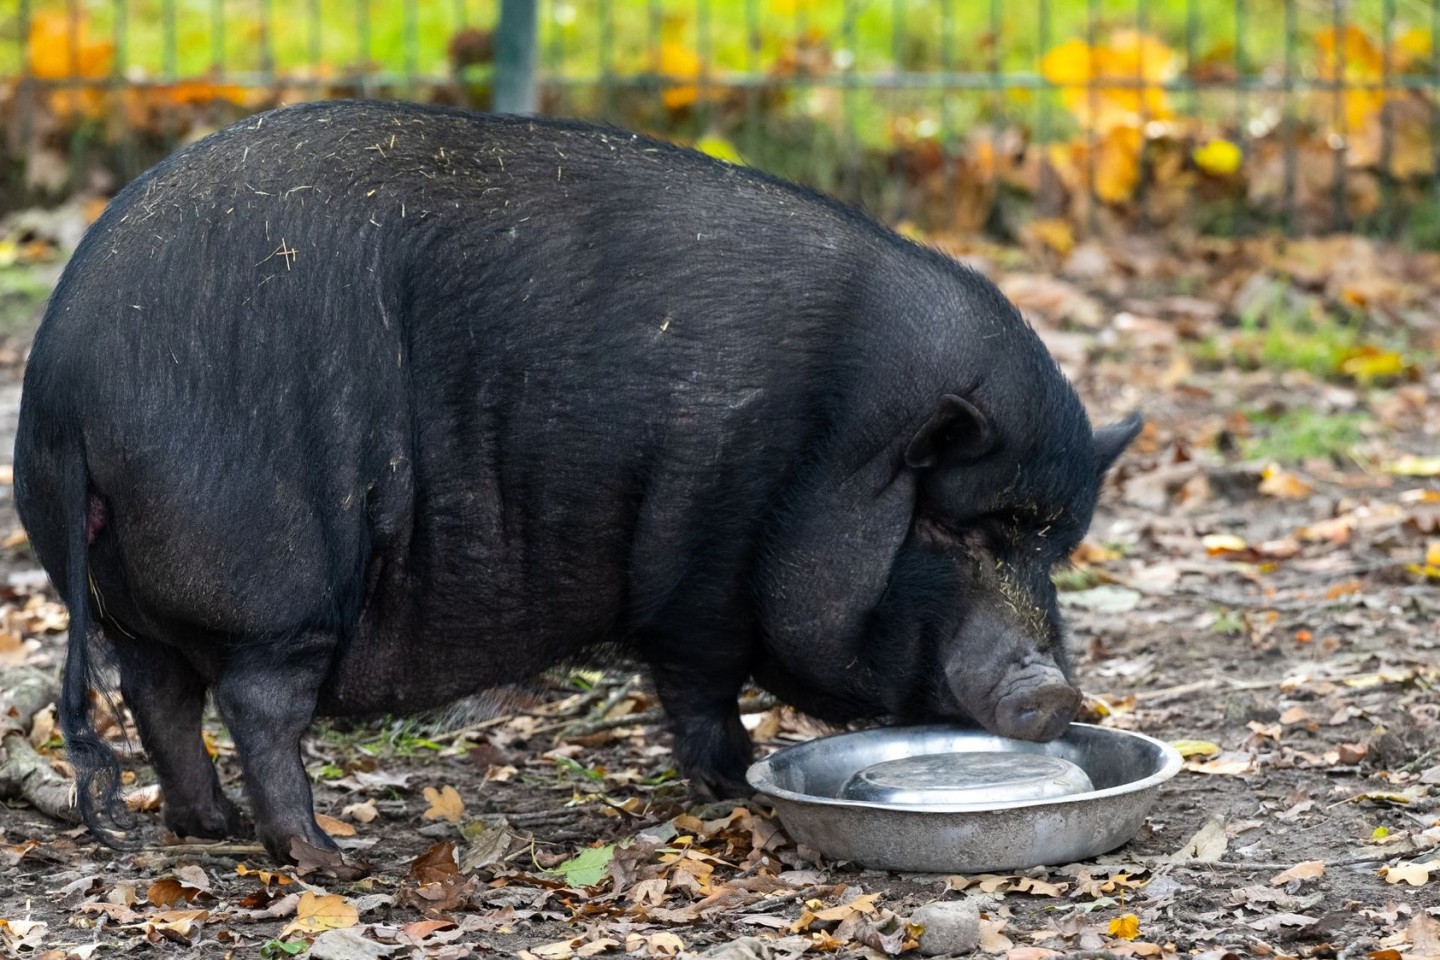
[435,865]
[333,827]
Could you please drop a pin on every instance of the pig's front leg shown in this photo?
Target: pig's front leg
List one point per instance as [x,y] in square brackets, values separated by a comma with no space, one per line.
[698,683]
[825,566]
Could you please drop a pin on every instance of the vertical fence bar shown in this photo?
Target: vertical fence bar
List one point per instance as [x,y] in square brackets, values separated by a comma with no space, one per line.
[705,46]
[411,28]
[267,42]
[1142,25]
[515,38]
[654,18]
[947,112]
[1242,104]
[316,47]
[169,46]
[1387,121]
[362,40]
[898,36]
[1092,100]
[217,36]
[1042,122]
[850,161]
[997,110]
[1338,215]
[1291,125]
[1433,100]
[752,72]
[25,92]
[605,51]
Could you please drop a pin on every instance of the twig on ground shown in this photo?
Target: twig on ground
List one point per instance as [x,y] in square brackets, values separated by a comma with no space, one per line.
[24,773]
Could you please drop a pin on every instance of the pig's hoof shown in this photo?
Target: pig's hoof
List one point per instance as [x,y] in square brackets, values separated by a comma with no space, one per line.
[709,785]
[309,844]
[211,822]
[1039,715]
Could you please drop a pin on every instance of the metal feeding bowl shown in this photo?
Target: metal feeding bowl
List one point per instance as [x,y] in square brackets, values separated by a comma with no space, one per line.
[944,799]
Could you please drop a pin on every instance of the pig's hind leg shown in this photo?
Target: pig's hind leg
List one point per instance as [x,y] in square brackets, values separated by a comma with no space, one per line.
[267,695]
[166,696]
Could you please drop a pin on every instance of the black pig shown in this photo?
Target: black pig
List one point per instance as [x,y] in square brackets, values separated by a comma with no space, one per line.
[360,407]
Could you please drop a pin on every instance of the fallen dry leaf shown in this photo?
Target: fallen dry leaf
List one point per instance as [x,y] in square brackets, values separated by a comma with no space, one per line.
[317,913]
[445,804]
[1309,870]
[1412,872]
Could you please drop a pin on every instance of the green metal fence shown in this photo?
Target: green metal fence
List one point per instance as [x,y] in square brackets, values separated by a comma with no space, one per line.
[1088,115]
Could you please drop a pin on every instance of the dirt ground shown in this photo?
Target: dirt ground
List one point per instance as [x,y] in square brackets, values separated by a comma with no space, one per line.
[1259,586]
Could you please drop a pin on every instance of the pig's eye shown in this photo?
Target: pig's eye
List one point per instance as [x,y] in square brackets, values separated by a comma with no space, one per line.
[989,534]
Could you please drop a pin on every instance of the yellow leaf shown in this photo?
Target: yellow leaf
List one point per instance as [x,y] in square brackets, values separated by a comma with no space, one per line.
[674,61]
[1098,85]
[266,877]
[1196,748]
[1221,543]
[718,147]
[1275,482]
[1126,927]
[1219,158]
[1367,363]
[1117,164]
[1411,466]
[1415,874]
[333,827]
[445,804]
[1055,233]
[1040,888]
[1308,870]
[316,914]
[1363,64]
[856,908]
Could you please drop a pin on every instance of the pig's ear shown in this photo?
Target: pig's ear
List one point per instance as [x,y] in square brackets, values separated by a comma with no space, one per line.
[957,430]
[1111,441]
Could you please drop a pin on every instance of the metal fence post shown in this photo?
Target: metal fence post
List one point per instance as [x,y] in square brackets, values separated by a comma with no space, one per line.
[515,57]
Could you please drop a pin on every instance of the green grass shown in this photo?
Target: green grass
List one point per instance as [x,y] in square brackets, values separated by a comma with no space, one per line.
[23,290]
[1303,433]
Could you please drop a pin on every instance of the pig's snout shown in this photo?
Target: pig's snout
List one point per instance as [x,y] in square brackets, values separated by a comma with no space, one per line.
[1031,700]
[1037,712]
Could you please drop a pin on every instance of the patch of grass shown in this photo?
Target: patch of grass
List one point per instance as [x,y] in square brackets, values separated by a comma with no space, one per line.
[1228,623]
[1288,330]
[1303,433]
[1075,578]
[386,737]
[23,290]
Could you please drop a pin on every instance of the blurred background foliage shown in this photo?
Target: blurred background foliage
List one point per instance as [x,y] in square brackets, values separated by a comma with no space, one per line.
[1044,120]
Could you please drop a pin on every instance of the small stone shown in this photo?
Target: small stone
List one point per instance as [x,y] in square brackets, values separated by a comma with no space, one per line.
[951,926]
[745,948]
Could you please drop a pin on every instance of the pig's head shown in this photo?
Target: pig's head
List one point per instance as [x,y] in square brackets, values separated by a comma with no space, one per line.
[1005,487]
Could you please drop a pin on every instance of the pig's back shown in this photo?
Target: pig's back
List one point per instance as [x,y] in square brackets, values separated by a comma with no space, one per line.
[511,359]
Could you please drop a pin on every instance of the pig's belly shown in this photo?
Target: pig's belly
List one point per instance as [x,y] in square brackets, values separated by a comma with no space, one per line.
[399,664]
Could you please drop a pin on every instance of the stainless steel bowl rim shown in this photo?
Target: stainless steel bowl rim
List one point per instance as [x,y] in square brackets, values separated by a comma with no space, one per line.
[757,776]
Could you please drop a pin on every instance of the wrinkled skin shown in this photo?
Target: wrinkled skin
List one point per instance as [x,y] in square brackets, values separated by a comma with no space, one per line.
[363,407]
